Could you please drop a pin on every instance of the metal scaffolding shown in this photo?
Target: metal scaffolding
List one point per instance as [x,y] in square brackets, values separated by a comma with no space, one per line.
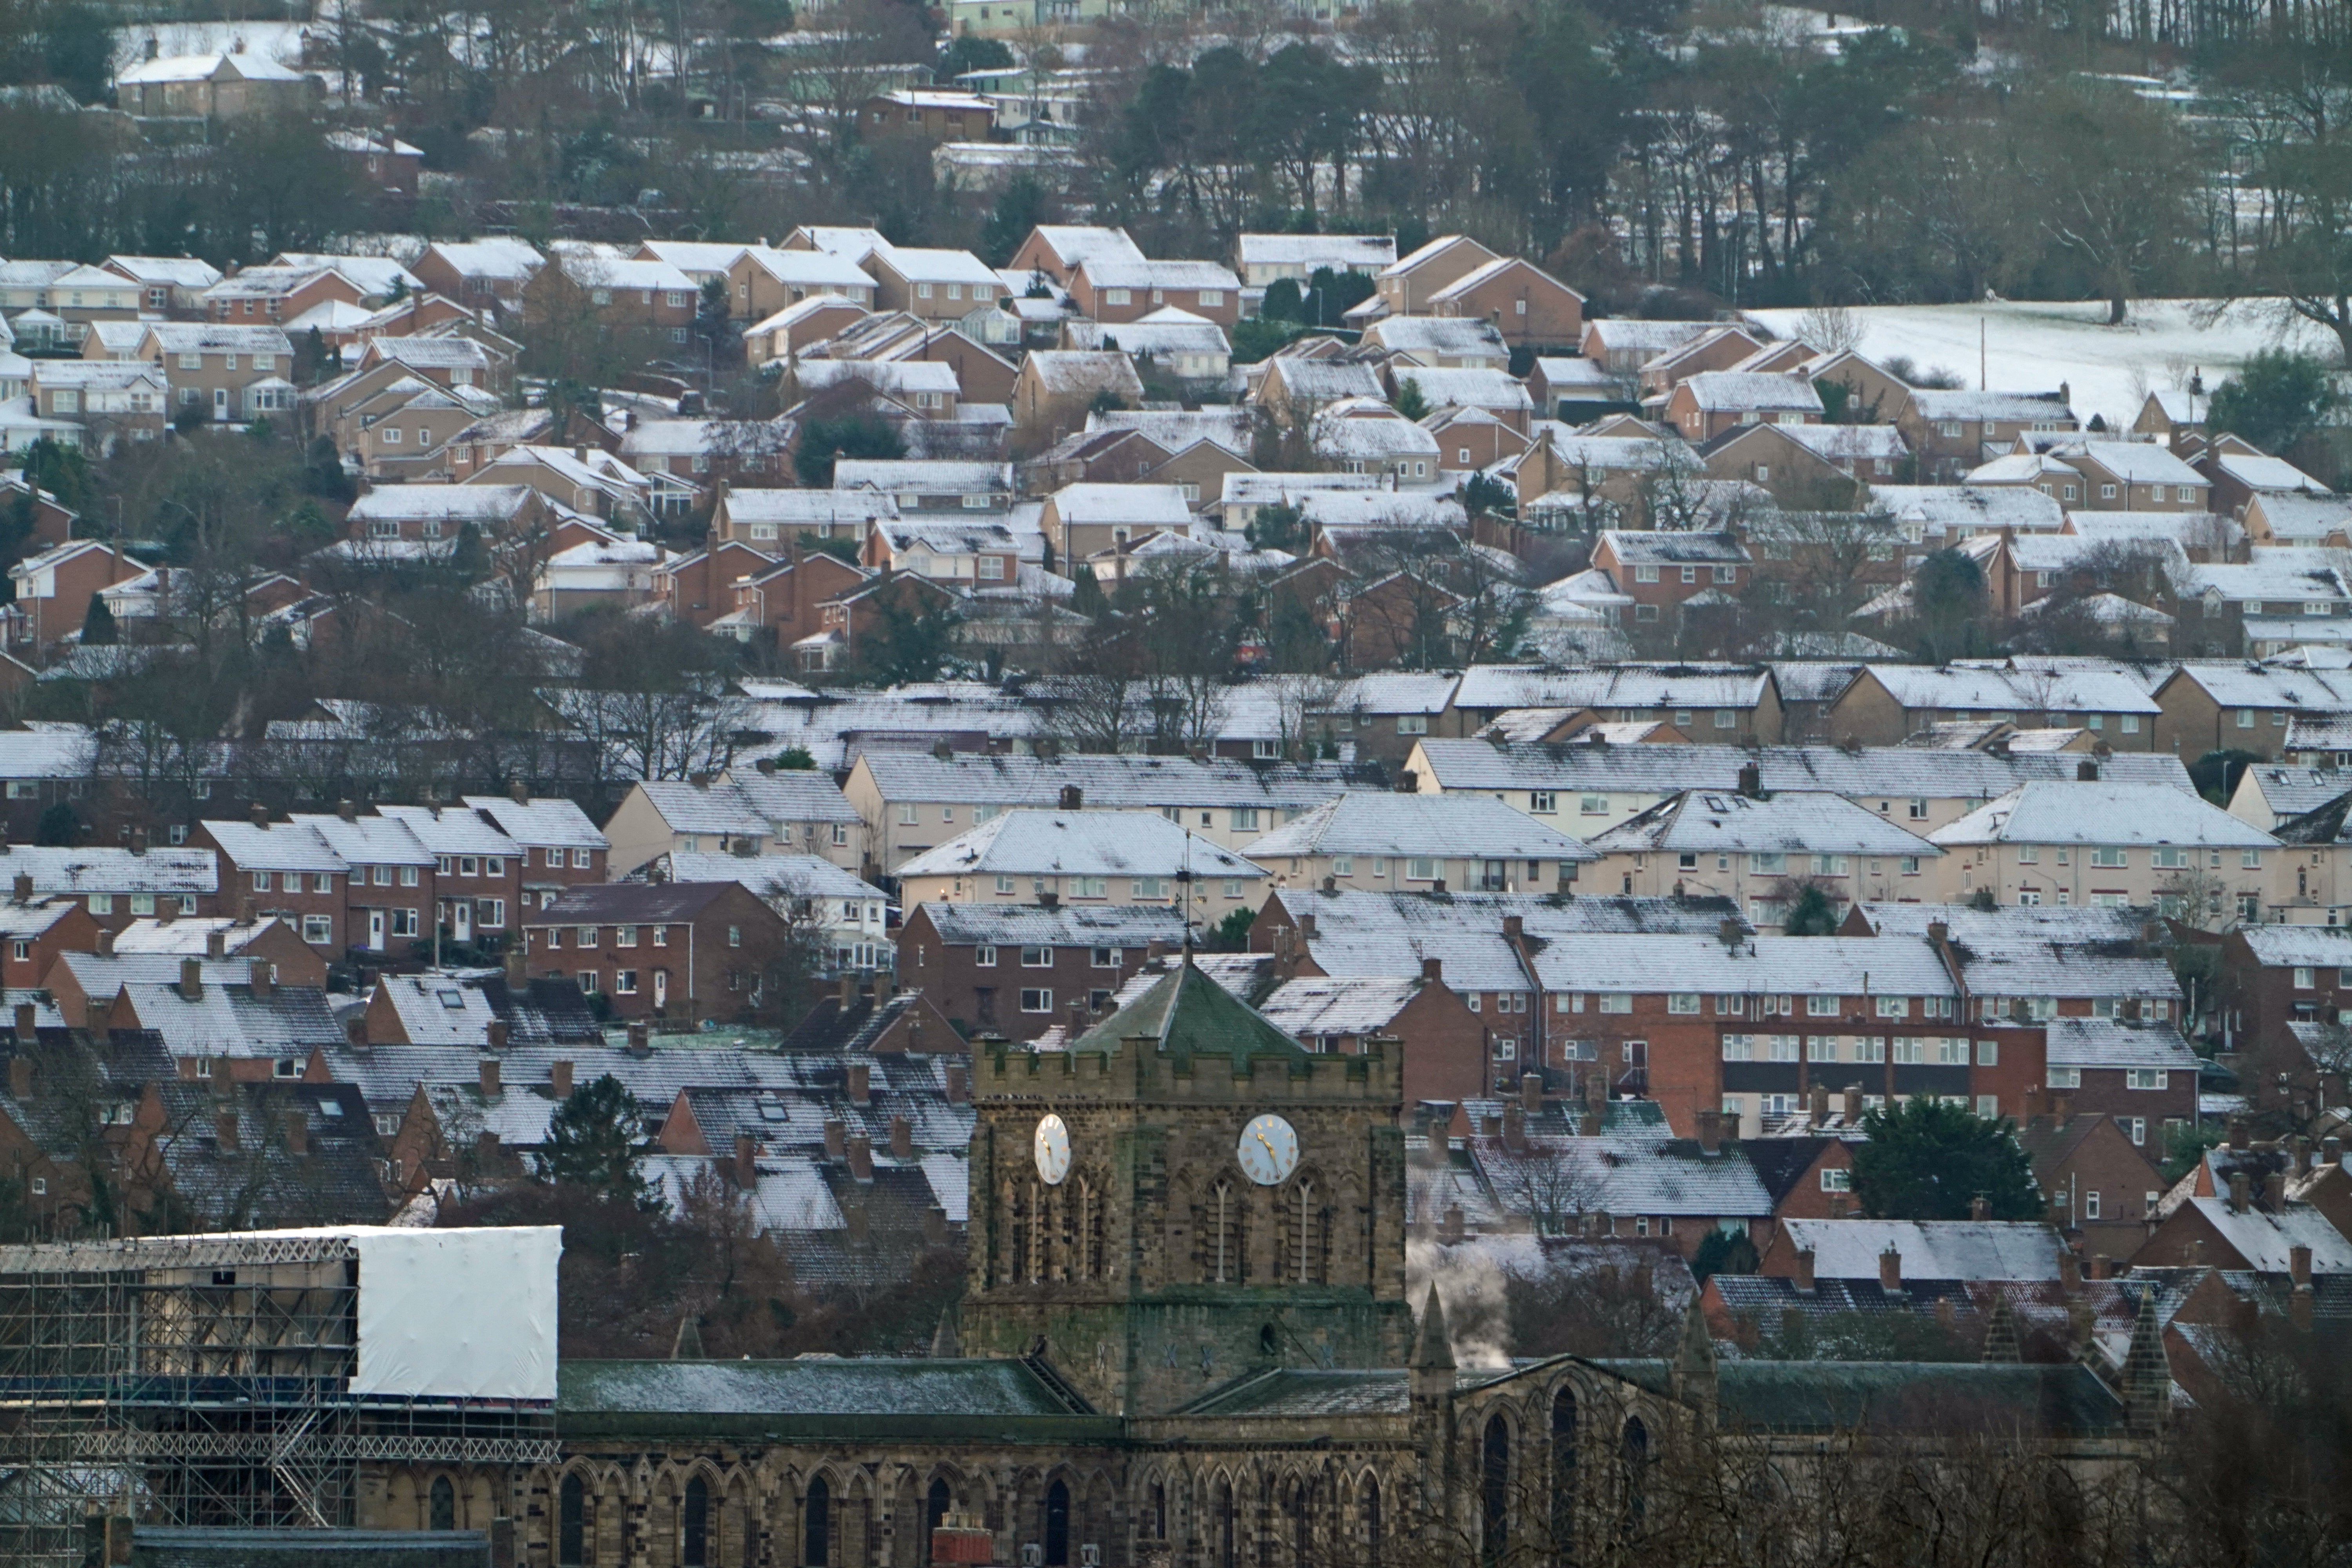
[206,1380]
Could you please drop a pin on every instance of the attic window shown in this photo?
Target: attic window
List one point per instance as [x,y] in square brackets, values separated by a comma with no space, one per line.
[452,998]
[771,1109]
[330,1107]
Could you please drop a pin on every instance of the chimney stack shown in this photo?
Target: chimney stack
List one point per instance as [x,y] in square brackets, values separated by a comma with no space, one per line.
[935,1227]
[959,1083]
[861,1158]
[20,1077]
[1531,1094]
[1710,1130]
[1434,971]
[217,944]
[1805,1271]
[2070,1271]
[348,812]
[2298,1266]
[24,887]
[2087,771]
[902,1138]
[1072,798]
[495,1034]
[1751,780]
[106,945]
[558,1078]
[641,1038]
[355,1031]
[1440,1137]
[1939,933]
[225,1132]
[836,1138]
[747,1170]
[298,1133]
[2240,1188]
[257,977]
[1817,1105]
[191,978]
[861,1078]
[847,997]
[1450,1227]
[520,791]
[2241,1137]
[1890,1271]
[485,1149]
[1980,1207]
[260,815]
[489,1067]
[2331,1151]
[27,1023]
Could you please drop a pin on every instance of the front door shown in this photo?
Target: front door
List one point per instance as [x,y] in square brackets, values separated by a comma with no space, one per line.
[375,931]
[661,989]
[461,921]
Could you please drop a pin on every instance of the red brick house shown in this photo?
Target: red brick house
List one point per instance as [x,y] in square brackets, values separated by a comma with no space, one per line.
[1527,305]
[684,952]
[1013,971]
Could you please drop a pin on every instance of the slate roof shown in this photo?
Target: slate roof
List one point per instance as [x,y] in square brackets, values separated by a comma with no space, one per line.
[227,1018]
[262,1184]
[628,903]
[1729,390]
[1389,933]
[806,1398]
[1458,826]
[771,878]
[97,870]
[1317,1005]
[2265,1240]
[2118,1043]
[2281,946]
[749,804]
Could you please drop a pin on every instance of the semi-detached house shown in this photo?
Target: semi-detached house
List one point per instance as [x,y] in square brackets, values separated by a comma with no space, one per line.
[2106,844]
[1083,858]
[1762,851]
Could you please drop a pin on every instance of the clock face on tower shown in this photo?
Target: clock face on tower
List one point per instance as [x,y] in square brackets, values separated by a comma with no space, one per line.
[1053,1149]
[1268,1150]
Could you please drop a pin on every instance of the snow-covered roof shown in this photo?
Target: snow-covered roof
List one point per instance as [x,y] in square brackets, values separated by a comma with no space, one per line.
[2259,472]
[1160,506]
[772,877]
[1064,925]
[1930,1249]
[1791,822]
[1730,390]
[543,820]
[2000,691]
[1104,270]
[1453,335]
[1497,686]
[1388,823]
[2101,812]
[1976,509]
[1814,965]
[1317,1005]
[1934,404]
[2118,1043]
[1077,844]
[1340,252]
[1466,388]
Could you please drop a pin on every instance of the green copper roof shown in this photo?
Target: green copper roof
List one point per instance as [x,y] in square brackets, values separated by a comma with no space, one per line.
[1187,1014]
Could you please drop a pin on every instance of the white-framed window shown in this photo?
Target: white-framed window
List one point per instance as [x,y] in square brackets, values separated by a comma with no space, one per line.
[1682,1002]
[2146,1078]
[1090,887]
[1242,819]
[581,859]
[317,930]
[1413,724]
[1151,887]
[1543,803]
[984,956]
[1837,1180]
[1036,958]
[1646,574]
[1421,869]
[2110,857]
[1036,999]
[1894,1007]
[1615,1001]
[1768,865]
[2066,1077]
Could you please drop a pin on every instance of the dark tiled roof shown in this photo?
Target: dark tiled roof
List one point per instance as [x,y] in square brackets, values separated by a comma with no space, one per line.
[261,1184]
[1002,1400]
[629,903]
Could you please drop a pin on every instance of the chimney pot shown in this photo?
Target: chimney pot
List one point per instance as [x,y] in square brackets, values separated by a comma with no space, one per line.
[861,1158]
[558,1078]
[861,1083]
[1805,1271]
[1890,1271]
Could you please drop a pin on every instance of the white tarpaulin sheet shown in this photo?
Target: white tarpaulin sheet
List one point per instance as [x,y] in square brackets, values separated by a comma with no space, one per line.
[458,1313]
[454,1315]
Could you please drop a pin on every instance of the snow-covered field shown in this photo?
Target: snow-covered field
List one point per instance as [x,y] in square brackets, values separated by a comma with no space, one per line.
[2031,346]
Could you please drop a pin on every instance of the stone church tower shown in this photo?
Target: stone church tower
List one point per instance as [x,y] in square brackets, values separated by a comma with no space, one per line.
[1183,1196]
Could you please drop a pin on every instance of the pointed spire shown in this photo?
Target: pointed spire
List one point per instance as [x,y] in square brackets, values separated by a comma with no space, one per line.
[2000,1332]
[687,1346]
[1696,1353]
[1433,1350]
[946,1344]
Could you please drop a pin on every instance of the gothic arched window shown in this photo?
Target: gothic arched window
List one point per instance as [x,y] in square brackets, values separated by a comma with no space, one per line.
[572,1523]
[816,1525]
[442,1505]
[1494,1490]
[694,1525]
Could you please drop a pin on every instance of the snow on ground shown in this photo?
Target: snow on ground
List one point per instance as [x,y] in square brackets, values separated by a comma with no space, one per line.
[2032,345]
